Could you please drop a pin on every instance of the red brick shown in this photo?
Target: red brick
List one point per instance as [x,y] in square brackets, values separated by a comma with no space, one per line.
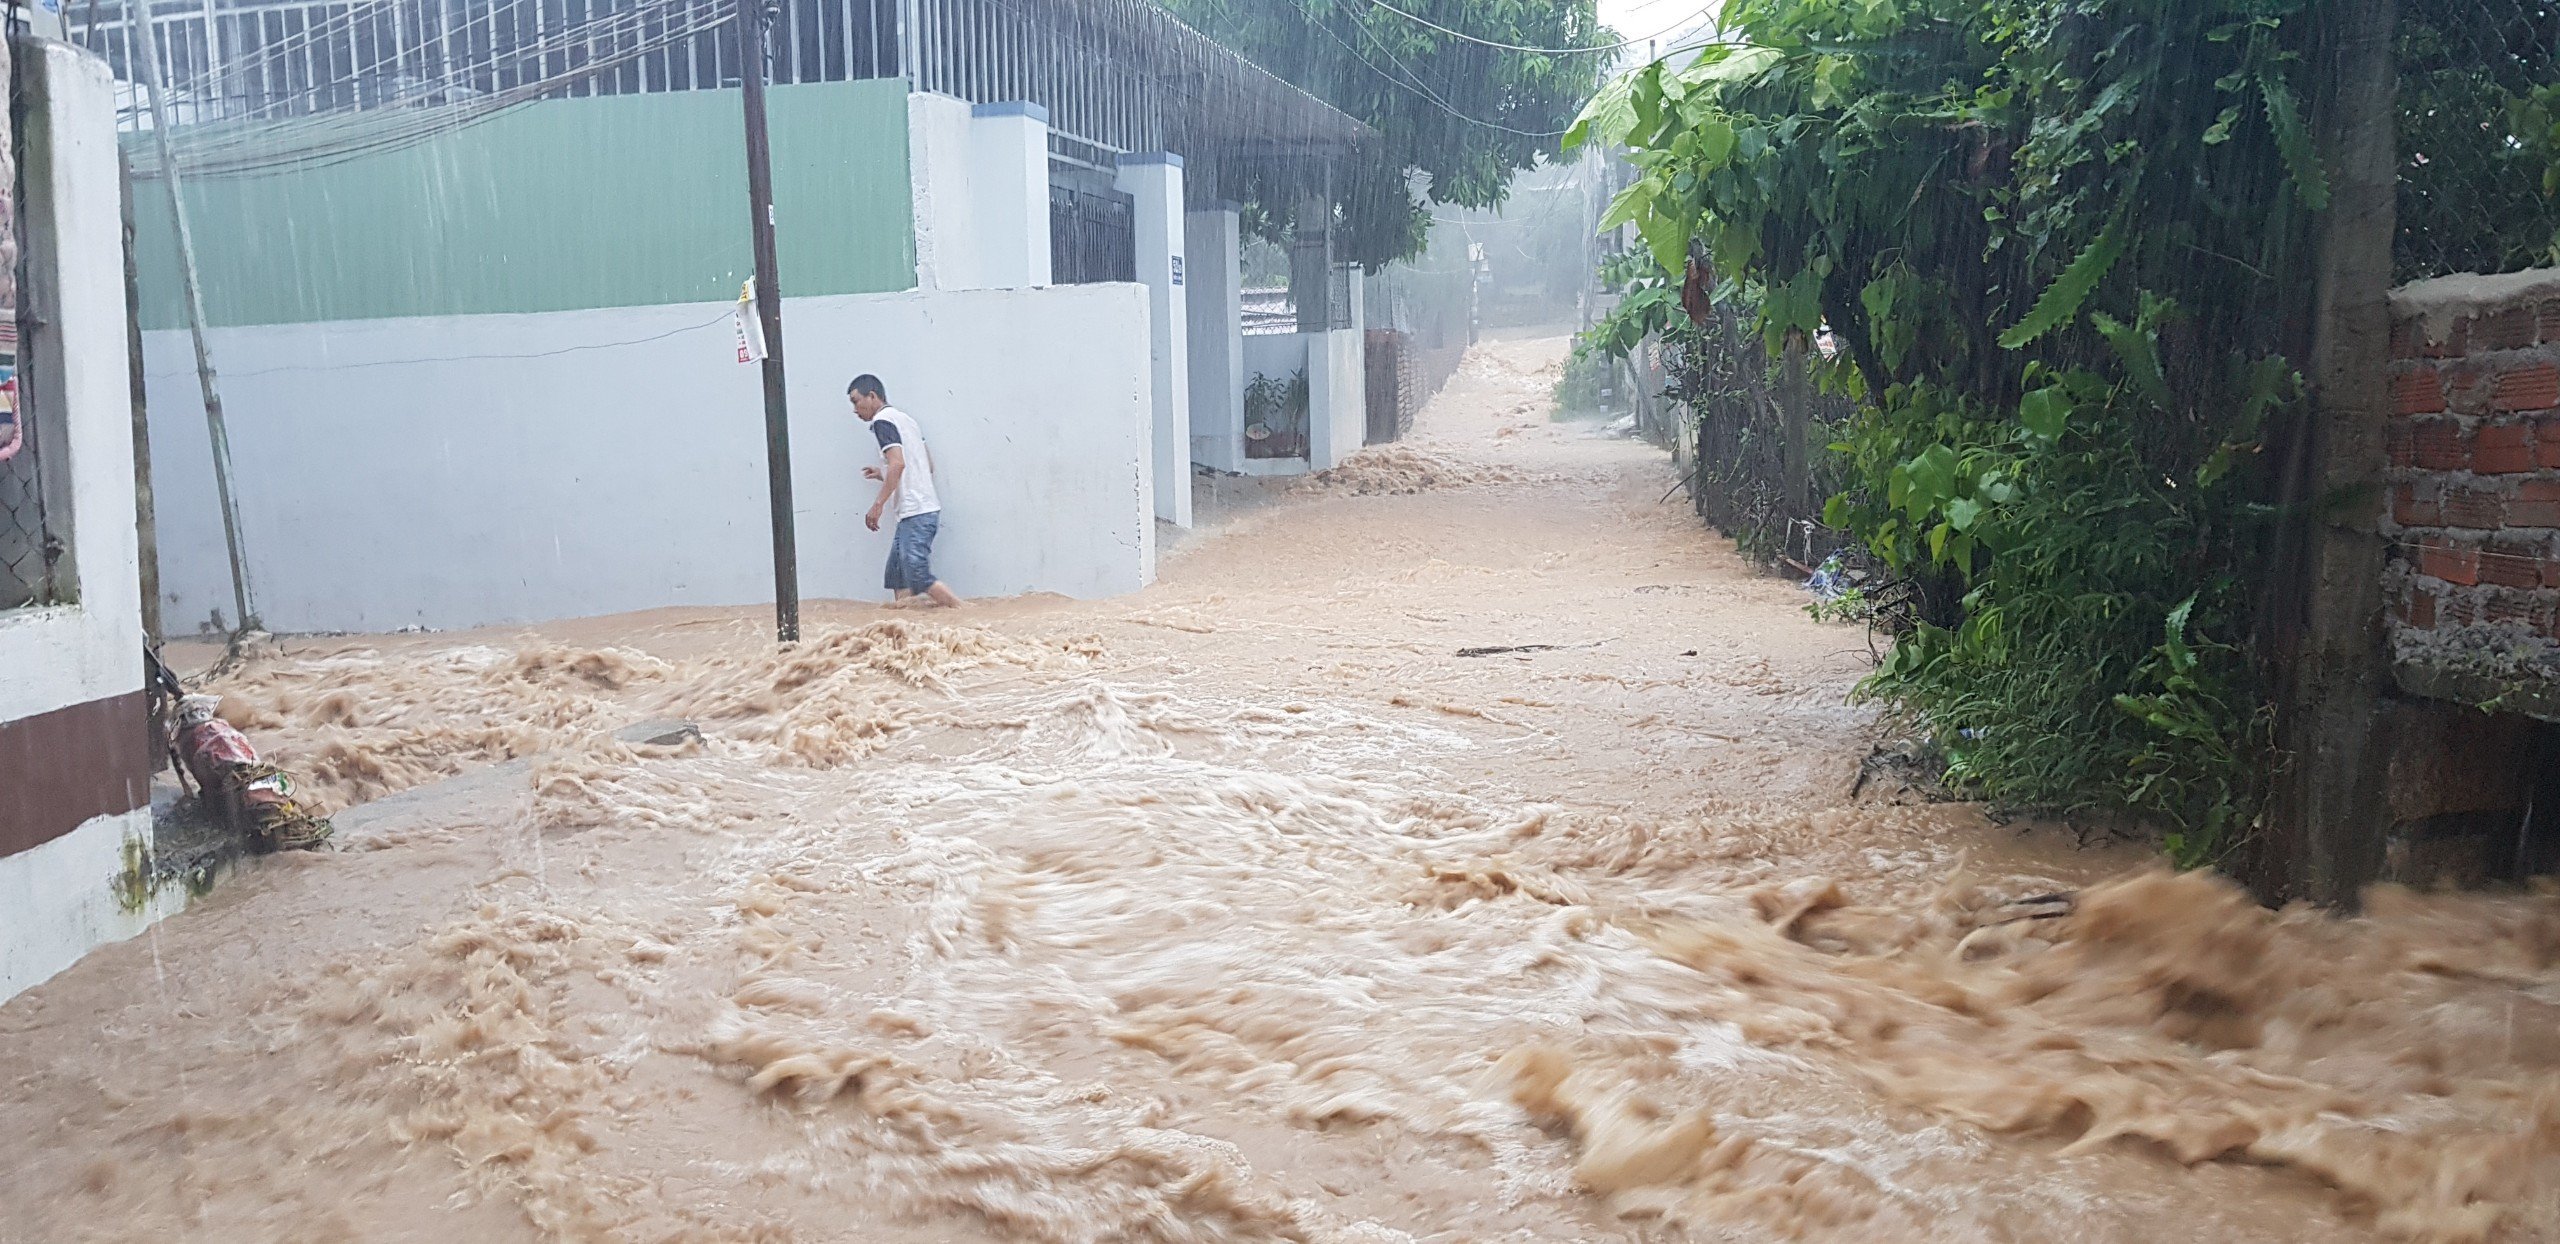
[2398,442]
[2457,610]
[2501,449]
[2437,445]
[2453,563]
[2536,504]
[2479,509]
[2455,344]
[2528,388]
[2546,441]
[2419,392]
[2412,510]
[2547,320]
[2418,609]
[2511,329]
[2404,339]
[2512,563]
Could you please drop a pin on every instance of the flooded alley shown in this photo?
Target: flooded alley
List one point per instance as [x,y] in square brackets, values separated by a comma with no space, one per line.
[1463,845]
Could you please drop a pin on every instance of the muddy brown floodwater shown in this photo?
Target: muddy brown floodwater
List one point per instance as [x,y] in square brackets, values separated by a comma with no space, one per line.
[1248,909]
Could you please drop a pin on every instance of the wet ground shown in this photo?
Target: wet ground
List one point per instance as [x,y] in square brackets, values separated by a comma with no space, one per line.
[1252,907]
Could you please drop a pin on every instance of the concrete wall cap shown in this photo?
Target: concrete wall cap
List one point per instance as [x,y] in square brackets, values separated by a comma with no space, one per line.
[1012,108]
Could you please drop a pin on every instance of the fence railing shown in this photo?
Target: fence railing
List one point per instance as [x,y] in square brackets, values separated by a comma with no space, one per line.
[2479,95]
[31,541]
[1092,236]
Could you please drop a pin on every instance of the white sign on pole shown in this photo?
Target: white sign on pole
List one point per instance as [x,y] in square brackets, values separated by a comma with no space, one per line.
[750,326]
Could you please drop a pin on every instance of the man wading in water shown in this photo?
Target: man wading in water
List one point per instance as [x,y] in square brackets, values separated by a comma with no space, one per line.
[906,480]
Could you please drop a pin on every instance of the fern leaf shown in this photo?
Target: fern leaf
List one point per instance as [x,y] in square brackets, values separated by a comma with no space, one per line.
[2061,300]
[2293,140]
[2140,355]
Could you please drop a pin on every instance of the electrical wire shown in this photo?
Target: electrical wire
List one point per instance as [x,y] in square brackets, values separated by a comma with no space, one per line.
[1419,20]
[1426,92]
[227,374]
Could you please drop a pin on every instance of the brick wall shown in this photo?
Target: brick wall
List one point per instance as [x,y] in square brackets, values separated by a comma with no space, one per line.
[2474,475]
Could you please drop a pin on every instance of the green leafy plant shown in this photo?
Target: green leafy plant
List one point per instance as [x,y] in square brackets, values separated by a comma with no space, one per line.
[1278,406]
[1578,390]
[2060,245]
[1851,605]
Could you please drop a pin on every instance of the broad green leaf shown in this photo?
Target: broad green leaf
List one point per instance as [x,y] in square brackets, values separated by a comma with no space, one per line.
[1727,63]
[1933,476]
[2061,300]
[1715,143]
[1631,202]
[2220,132]
[1646,98]
[1962,512]
[2044,410]
[1611,114]
[1668,235]
[2293,138]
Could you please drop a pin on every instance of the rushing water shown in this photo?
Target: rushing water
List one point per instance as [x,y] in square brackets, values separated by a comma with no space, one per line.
[1247,909]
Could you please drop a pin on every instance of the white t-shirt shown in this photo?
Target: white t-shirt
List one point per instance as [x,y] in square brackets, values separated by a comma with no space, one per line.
[893,426]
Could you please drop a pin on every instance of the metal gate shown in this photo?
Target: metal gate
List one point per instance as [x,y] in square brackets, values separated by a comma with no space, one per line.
[1093,236]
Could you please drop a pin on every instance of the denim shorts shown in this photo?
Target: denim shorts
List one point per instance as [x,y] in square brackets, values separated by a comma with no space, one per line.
[911,553]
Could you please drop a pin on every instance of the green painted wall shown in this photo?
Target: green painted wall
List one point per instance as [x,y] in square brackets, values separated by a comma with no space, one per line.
[626,200]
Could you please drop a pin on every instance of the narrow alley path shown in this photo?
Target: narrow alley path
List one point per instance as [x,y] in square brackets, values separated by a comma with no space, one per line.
[1252,907]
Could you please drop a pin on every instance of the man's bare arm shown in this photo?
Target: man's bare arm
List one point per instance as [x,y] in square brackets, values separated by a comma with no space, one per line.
[896,457]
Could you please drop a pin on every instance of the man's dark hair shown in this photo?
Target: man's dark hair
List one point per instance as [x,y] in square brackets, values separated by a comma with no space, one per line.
[866,383]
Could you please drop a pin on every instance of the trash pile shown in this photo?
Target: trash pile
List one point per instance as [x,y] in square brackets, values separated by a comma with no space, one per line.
[252,796]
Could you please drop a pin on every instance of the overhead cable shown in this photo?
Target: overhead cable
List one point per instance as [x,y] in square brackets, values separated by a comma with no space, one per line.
[1420,20]
[1418,88]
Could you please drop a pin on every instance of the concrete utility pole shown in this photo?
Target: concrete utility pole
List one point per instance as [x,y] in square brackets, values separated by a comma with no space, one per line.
[147,36]
[2330,812]
[777,413]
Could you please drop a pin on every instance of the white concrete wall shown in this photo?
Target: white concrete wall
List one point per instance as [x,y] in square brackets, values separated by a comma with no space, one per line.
[939,164]
[981,184]
[377,491]
[1154,183]
[1338,396]
[1277,355]
[1009,150]
[60,901]
[1214,302]
[56,900]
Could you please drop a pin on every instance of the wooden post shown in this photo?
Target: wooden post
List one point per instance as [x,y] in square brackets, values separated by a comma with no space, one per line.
[777,412]
[149,40]
[146,522]
[2329,816]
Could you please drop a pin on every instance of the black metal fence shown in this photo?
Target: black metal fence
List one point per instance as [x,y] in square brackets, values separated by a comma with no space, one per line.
[31,544]
[2479,119]
[1092,236]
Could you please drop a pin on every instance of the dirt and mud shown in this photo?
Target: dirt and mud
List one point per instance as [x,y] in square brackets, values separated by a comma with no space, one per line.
[1248,908]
